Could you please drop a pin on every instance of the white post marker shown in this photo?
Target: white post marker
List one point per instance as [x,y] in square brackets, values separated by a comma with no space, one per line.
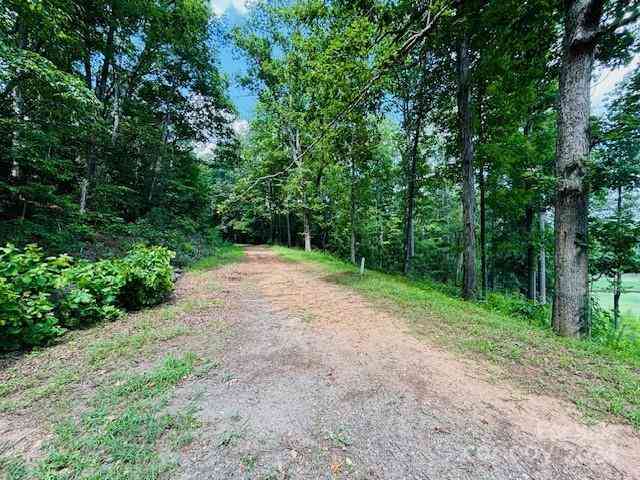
[362,266]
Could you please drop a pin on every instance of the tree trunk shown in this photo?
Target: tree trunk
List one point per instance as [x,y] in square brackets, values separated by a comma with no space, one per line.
[571,295]
[272,216]
[157,166]
[542,257]
[617,283]
[84,184]
[617,292]
[381,245]
[17,147]
[411,194]
[468,184]
[288,217]
[491,276]
[352,210]
[116,112]
[532,261]
[307,230]
[412,244]
[483,234]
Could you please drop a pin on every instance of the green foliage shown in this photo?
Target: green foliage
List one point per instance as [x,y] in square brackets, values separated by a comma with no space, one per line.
[515,305]
[148,276]
[95,156]
[623,338]
[121,433]
[27,282]
[88,292]
[41,296]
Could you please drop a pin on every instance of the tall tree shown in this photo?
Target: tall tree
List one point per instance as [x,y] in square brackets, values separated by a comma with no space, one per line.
[583,31]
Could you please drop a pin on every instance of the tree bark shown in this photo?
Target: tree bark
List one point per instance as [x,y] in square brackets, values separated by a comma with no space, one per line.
[617,283]
[571,296]
[532,260]
[307,230]
[288,217]
[542,258]
[18,101]
[157,166]
[352,209]
[483,234]
[411,193]
[468,183]
[617,292]
[116,112]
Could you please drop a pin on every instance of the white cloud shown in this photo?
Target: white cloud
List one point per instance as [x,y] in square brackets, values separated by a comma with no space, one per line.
[605,82]
[219,7]
[240,127]
[205,149]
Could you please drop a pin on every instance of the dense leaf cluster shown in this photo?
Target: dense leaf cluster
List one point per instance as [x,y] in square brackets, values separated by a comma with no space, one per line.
[41,297]
[101,105]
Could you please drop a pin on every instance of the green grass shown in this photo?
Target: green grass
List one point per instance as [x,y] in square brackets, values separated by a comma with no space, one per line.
[600,380]
[126,344]
[629,301]
[227,253]
[108,419]
[127,431]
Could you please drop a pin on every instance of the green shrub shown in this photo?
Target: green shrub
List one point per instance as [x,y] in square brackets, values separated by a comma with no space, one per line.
[516,305]
[40,296]
[148,276]
[27,284]
[88,292]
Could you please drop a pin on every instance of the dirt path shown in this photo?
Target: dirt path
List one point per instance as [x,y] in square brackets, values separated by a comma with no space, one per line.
[318,383]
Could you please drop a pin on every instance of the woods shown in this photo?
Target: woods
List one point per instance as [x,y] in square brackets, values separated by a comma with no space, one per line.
[101,104]
[488,102]
[282,239]
[450,141]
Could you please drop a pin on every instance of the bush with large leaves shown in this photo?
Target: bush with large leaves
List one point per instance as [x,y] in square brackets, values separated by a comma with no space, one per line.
[42,296]
[148,276]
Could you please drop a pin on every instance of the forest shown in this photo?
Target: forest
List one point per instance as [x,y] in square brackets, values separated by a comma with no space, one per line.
[304,239]
[447,141]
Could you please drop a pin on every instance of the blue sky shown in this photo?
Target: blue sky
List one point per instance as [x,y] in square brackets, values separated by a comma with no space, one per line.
[232,13]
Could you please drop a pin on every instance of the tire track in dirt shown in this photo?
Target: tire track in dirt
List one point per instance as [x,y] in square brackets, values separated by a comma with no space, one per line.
[319,383]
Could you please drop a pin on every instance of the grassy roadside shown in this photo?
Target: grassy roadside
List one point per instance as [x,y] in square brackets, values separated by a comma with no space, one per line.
[600,381]
[226,253]
[125,431]
[99,399]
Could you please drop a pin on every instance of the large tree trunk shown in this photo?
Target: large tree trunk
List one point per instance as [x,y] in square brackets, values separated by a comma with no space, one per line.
[468,183]
[542,257]
[411,194]
[571,295]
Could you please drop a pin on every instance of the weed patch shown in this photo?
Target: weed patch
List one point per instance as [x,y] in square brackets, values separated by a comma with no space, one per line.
[124,434]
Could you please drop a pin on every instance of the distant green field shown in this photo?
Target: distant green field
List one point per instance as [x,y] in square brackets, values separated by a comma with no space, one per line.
[629,302]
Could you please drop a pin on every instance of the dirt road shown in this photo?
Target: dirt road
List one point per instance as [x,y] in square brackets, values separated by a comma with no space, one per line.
[318,383]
